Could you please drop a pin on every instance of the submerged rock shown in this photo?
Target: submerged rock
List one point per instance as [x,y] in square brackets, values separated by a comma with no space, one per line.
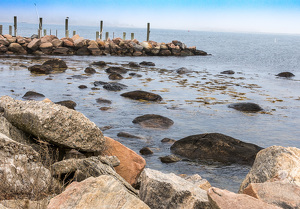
[32,95]
[114,86]
[170,159]
[183,70]
[147,63]
[40,69]
[229,72]
[90,70]
[246,107]
[99,63]
[128,135]
[146,151]
[115,76]
[67,103]
[57,64]
[154,121]
[144,95]
[133,64]
[217,147]
[119,70]
[285,74]
[101,100]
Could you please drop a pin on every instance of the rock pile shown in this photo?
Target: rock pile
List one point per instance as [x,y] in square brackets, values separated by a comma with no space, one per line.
[77,45]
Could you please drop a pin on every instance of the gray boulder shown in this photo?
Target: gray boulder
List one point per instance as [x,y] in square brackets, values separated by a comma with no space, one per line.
[217,147]
[166,191]
[246,107]
[54,123]
[57,64]
[154,121]
[143,95]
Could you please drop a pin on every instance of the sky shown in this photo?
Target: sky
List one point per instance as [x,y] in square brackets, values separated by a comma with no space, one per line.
[262,16]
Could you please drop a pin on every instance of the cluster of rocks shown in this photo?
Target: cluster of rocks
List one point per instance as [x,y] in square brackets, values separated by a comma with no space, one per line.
[54,157]
[77,45]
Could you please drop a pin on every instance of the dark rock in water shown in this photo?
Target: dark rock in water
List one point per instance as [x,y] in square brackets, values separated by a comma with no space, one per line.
[82,86]
[90,70]
[67,103]
[168,140]
[31,95]
[119,70]
[101,100]
[40,69]
[114,86]
[79,77]
[100,83]
[128,135]
[133,64]
[285,74]
[56,64]
[217,147]
[169,159]
[183,70]
[105,108]
[99,63]
[115,76]
[95,89]
[153,121]
[246,107]
[200,53]
[147,63]
[144,95]
[229,72]
[48,79]
[146,151]
[104,128]
[135,75]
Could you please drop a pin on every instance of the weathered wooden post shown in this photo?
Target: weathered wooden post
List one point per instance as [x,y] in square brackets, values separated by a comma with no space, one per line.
[67,27]
[124,35]
[15,25]
[56,33]
[101,29]
[10,30]
[74,32]
[148,31]
[45,32]
[106,36]
[1,29]
[50,32]
[113,35]
[97,35]
[40,27]
[132,36]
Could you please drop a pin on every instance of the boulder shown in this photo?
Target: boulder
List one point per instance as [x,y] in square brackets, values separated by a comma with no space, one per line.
[94,49]
[67,103]
[154,121]
[119,70]
[79,42]
[90,70]
[3,48]
[200,53]
[40,69]
[128,135]
[25,203]
[144,95]
[146,151]
[134,65]
[197,181]
[48,38]
[83,51]
[229,72]
[131,164]
[284,195]
[168,140]
[186,52]
[147,63]
[274,163]
[183,70]
[166,191]
[246,107]
[57,43]
[4,41]
[101,101]
[46,47]
[34,44]
[114,86]
[54,123]
[115,76]
[22,174]
[60,51]
[217,147]
[223,199]
[99,63]
[101,192]
[82,87]
[67,42]
[16,48]
[56,64]
[169,159]
[165,52]
[285,74]
[32,95]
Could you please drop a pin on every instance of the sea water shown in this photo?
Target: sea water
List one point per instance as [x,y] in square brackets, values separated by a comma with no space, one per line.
[197,102]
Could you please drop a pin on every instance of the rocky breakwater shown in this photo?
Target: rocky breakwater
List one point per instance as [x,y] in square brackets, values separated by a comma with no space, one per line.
[77,45]
[54,157]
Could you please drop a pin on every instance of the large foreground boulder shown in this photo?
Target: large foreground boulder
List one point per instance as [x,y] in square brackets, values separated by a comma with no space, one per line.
[54,123]
[57,64]
[22,174]
[275,163]
[143,95]
[284,195]
[153,121]
[101,192]
[131,164]
[217,147]
[223,199]
[166,191]
[246,107]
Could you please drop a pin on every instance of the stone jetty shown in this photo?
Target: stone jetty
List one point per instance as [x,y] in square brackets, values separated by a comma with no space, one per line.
[51,45]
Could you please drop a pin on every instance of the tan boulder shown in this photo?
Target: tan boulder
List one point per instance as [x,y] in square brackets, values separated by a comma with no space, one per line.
[101,192]
[223,199]
[46,47]
[4,41]
[131,164]
[57,43]
[68,42]
[17,48]
[284,195]
[197,181]
[79,42]
[48,38]
[94,49]
[276,163]
[34,44]
[75,37]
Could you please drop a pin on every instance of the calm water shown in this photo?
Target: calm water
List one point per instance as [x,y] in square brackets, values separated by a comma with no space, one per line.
[196,102]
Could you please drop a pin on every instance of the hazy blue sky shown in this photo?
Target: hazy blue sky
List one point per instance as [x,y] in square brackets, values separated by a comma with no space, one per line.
[279,16]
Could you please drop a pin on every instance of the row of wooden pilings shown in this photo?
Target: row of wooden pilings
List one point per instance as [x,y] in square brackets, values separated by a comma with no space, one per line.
[40,30]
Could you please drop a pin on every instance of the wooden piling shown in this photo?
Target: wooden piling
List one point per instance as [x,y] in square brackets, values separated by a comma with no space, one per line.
[67,27]
[101,29]
[113,35]
[45,32]
[124,35]
[148,31]
[106,36]
[15,25]
[40,27]
[74,32]
[56,33]
[10,30]
[97,35]
[50,32]
[132,36]
[1,29]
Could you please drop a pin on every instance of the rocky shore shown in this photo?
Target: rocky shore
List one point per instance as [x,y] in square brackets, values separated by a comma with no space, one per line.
[77,45]
[54,157]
